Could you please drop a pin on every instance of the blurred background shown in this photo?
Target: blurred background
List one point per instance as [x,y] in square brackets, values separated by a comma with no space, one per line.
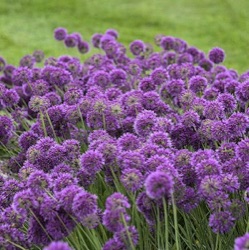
[27,25]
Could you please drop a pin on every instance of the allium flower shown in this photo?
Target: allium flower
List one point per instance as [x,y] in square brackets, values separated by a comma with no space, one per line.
[221,222]
[122,236]
[237,124]
[101,78]
[112,32]
[118,77]
[38,56]
[191,119]
[73,96]
[54,98]
[167,42]
[59,245]
[197,84]
[208,167]
[159,185]
[216,55]
[60,34]
[117,201]
[84,204]
[92,161]
[144,123]
[158,76]
[137,47]
[132,179]
[96,40]
[228,102]
[27,139]
[242,243]
[38,181]
[71,41]
[206,64]
[146,84]
[161,139]
[226,151]
[219,131]
[39,103]
[83,47]
[213,110]
[10,98]
[128,142]
[112,244]
[27,61]
[242,150]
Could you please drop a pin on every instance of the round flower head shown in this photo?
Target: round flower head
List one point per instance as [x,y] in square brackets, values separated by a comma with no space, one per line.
[216,55]
[125,238]
[214,110]
[60,34]
[10,98]
[59,245]
[21,76]
[8,71]
[242,150]
[228,102]
[71,41]
[27,139]
[146,84]
[206,64]
[144,123]
[83,47]
[137,47]
[167,42]
[54,98]
[92,161]
[118,77]
[73,96]
[112,32]
[39,87]
[174,88]
[38,180]
[27,61]
[221,222]
[84,204]
[161,139]
[190,119]
[117,201]
[207,167]
[38,56]
[101,79]
[132,179]
[198,84]
[237,124]
[128,142]
[159,185]
[242,243]
[96,40]
[38,103]
[158,76]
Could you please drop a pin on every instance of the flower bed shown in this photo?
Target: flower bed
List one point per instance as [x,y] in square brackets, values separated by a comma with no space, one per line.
[137,150]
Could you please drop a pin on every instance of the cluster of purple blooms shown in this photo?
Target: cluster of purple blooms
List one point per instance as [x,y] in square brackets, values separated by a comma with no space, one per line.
[164,124]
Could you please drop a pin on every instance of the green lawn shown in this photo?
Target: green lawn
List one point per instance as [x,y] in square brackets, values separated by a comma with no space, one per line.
[26,25]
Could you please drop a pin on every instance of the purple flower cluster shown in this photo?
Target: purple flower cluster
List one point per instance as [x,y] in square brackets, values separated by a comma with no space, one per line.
[157,127]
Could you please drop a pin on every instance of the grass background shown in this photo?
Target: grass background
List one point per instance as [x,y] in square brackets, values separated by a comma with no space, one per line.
[27,25]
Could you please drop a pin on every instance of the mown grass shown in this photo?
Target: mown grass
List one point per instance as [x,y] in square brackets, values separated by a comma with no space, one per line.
[26,25]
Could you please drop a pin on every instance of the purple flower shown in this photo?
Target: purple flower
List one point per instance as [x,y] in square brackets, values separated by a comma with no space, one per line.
[158,76]
[159,185]
[112,32]
[117,201]
[38,181]
[92,161]
[216,55]
[71,41]
[2,64]
[83,47]
[198,84]
[27,139]
[228,102]
[144,123]
[213,110]
[128,142]
[132,179]
[137,47]
[242,243]
[84,204]
[161,139]
[39,103]
[96,40]
[242,150]
[38,56]
[167,42]
[59,245]
[221,222]
[146,84]
[60,34]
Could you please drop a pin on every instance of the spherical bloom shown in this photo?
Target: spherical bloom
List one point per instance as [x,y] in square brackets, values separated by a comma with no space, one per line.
[71,41]
[27,61]
[39,87]
[117,201]
[210,94]
[92,161]
[206,64]
[213,110]
[112,32]
[27,139]
[161,139]
[63,180]
[38,180]
[191,119]
[208,167]
[144,123]
[219,131]
[237,124]
[84,204]
[197,84]
[60,34]
[158,76]
[228,102]
[101,79]
[10,98]
[118,77]
[216,55]
[21,76]
[146,84]
[39,103]
[112,244]
[132,179]
[54,98]
[242,150]
[167,42]
[137,47]
[59,245]
[131,159]
[221,222]
[73,96]
[242,243]
[128,142]
[159,185]
[96,40]
[226,151]
[83,47]
[38,56]
[122,236]
[174,88]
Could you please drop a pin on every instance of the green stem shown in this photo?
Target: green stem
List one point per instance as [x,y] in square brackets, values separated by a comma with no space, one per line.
[175,223]
[166,226]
